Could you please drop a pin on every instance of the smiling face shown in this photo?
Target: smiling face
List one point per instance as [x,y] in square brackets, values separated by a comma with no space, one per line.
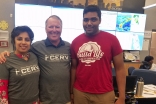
[91,23]
[53,29]
[22,43]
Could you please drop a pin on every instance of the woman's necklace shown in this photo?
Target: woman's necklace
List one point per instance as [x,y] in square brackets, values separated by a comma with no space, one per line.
[25,56]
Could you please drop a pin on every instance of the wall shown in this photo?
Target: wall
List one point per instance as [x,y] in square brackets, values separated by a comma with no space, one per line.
[150,23]
[151,15]
[134,6]
[7,7]
[149,2]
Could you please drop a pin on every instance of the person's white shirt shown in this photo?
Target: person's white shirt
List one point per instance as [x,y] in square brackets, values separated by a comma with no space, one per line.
[153,67]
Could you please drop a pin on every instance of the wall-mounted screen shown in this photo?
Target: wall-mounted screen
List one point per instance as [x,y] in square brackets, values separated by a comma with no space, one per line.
[112,32]
[130,40]
[108,20]
[132,22]
[72,22]
[130,30]
[35,16]
[127,27]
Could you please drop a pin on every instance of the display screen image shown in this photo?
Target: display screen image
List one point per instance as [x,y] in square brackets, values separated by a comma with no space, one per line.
[138,22]
[71,17]
[127,27]
[70,34]
[130,29]
[130,22]
[108,20]
[123,22]
[35,16]
[130,40]
[137,41]
[31,15]
[111,32]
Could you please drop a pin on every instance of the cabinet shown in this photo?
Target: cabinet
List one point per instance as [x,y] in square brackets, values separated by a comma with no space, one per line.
[153,46]
[132,64]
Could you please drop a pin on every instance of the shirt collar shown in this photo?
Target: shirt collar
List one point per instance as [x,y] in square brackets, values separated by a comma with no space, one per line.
[22,56]
[48,43]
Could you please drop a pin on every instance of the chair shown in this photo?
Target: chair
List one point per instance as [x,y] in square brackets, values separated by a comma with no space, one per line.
[149,76]
[130,83]
[113,72]
[130,70]
[129,89]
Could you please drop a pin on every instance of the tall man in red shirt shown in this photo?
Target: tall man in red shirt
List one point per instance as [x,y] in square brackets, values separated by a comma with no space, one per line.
[92,53]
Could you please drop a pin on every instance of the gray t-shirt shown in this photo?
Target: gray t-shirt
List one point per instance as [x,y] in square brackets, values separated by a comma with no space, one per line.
[23,78]
[54,63]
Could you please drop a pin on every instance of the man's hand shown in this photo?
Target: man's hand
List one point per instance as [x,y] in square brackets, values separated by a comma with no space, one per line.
[120,101]
[2,56]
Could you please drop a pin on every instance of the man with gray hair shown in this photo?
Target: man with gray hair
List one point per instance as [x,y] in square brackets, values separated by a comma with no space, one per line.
[54,61]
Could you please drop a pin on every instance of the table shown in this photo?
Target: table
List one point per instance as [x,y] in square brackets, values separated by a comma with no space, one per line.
[149,95]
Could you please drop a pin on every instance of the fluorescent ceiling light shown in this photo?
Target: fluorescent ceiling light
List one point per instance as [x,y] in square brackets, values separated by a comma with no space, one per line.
[149,6]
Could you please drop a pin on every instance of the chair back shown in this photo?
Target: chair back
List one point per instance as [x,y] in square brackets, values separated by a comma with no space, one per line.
[113,72]
[130,70]
[130,83]
[149,76]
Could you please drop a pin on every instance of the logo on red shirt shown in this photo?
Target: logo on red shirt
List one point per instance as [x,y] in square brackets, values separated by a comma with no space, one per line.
[90,52]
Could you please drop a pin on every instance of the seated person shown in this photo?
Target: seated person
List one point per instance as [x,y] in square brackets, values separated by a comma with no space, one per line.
[147,63]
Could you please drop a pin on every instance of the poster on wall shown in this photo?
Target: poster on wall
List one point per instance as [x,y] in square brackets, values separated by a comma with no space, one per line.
[148,34]
[146,43]
[4,38]
[112,5]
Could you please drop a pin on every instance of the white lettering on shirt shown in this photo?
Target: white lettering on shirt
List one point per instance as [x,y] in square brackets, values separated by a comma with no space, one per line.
[27,70]
[57,57]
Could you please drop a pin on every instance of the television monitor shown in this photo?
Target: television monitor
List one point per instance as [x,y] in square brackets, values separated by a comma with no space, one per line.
[130,40]
[31,15]
[108,20]
[130,30]
[127,27]
[72,22]
[35,16]
[71,17]
[111,32]
[70,34]
[130,22]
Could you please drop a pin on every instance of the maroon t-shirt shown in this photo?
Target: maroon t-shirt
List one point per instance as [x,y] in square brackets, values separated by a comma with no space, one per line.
[94,55]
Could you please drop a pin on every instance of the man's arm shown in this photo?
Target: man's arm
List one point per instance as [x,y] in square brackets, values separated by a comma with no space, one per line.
[2,56]
[120,74]
[73,71]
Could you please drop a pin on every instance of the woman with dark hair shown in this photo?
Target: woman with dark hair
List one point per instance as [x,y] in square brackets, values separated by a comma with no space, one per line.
[19,75]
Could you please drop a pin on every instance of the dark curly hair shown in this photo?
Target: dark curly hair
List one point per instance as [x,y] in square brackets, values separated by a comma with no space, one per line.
[149,58]
[20,29]
[92,8]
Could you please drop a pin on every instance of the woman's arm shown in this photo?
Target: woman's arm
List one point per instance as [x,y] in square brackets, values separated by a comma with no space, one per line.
[3,84]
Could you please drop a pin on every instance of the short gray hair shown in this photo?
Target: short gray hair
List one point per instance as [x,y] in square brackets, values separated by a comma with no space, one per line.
[54,16]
